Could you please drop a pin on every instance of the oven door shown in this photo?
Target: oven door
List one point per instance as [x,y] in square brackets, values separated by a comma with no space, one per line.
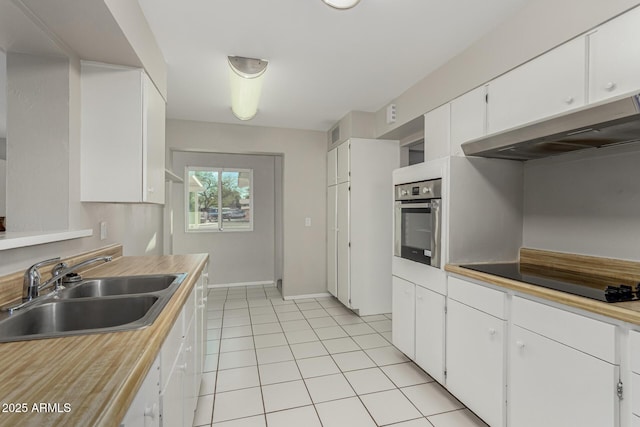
[417,231]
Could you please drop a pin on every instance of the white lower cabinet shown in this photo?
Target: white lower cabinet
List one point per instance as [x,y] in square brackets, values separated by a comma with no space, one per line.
[404,321]
[429,330]
[145,408]
[522,363]
[418,325]
[551,384]
[562,368]
[476,361]
[169,394]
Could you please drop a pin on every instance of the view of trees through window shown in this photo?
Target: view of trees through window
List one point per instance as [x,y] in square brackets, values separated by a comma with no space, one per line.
[219,199]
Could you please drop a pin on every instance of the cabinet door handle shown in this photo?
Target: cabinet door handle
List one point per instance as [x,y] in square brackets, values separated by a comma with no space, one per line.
[569,100]
[492,331]
[152,412]
[610,86]
[520,344]
[151,190]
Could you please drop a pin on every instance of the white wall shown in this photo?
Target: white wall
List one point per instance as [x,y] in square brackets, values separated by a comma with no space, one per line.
[586,203]
[540,26]
[304,185]
[234,257]
[37,142]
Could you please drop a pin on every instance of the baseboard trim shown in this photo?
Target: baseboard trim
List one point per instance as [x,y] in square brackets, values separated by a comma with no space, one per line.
[239,284]
[294,297]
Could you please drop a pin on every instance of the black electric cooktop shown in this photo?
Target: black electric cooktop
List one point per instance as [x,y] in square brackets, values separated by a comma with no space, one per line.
[595,288]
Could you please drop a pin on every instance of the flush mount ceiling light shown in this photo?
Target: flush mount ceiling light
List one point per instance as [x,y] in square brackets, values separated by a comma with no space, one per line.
[246,77]
[341,4]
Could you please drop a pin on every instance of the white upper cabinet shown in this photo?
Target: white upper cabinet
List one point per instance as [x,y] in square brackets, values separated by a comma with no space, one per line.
[343,163]
[437,127]
[332,167]
[122,136]
[614,57]
[549,84]
[468,118]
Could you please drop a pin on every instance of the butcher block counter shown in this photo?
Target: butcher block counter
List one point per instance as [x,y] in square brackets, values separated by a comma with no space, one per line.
[571,266]
[90,380]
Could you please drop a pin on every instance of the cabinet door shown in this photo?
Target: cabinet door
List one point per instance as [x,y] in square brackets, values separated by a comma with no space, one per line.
[403,310]
[191,385]
[553,385]
[145,408]
[614,57]
[430,335]
[343,276]
[332,236]
[343,154]
[437,128]
[547,85]
[468,118]
[172,396]
[153,143]
[332,167]
[476,350]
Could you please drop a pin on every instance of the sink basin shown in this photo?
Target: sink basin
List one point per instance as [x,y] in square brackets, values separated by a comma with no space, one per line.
[109,304]
[125,285]
[73,317]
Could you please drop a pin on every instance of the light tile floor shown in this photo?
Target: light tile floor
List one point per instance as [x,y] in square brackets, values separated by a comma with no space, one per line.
[311,362]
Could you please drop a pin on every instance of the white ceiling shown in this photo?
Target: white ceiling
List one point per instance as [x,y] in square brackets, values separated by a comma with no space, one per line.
[323,62]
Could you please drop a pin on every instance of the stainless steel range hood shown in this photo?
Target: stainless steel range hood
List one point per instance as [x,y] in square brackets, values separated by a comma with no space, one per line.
[611,122]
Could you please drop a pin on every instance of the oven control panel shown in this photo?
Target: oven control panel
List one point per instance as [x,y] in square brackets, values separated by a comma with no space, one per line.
[431,189]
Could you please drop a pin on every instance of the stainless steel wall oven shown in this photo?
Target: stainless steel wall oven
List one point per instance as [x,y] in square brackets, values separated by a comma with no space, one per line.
[418,221]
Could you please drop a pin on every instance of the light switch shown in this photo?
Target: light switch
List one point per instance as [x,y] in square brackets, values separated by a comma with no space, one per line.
[307,222]
[103,230]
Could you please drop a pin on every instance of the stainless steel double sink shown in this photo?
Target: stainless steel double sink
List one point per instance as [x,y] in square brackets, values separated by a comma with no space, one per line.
[109,304]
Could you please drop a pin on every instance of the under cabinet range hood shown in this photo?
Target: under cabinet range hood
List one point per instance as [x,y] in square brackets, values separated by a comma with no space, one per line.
[607,123]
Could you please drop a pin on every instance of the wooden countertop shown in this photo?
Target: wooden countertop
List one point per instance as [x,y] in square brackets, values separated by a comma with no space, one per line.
[96,375]
[624,311]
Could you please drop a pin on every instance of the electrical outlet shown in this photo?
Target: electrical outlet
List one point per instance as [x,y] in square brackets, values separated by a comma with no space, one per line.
[307,222]
[103,230]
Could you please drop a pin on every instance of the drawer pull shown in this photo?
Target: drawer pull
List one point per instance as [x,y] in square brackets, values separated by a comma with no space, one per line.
[568,100]
[520,344]
[492,332]
[610,86]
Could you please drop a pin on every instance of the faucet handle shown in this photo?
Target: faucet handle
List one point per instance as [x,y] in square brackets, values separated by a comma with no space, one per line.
[32,278]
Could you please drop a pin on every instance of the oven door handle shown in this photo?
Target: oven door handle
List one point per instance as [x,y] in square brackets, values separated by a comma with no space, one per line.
[401,206]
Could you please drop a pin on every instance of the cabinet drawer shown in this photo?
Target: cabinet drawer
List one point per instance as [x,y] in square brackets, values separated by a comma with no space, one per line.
[423,275]
[634,344]
[582,333]
[477,296]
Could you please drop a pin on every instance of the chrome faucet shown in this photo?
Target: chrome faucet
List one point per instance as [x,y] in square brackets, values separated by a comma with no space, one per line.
[31,286]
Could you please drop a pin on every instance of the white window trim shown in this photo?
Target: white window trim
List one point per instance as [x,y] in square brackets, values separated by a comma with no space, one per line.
[185,206]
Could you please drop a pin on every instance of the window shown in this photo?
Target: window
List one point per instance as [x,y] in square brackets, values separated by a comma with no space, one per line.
[219,199]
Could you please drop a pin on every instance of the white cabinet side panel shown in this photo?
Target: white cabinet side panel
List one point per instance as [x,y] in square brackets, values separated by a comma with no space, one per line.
[371,223]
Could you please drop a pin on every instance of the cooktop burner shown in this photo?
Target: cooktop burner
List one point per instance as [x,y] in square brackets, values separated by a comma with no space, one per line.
[596,288]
